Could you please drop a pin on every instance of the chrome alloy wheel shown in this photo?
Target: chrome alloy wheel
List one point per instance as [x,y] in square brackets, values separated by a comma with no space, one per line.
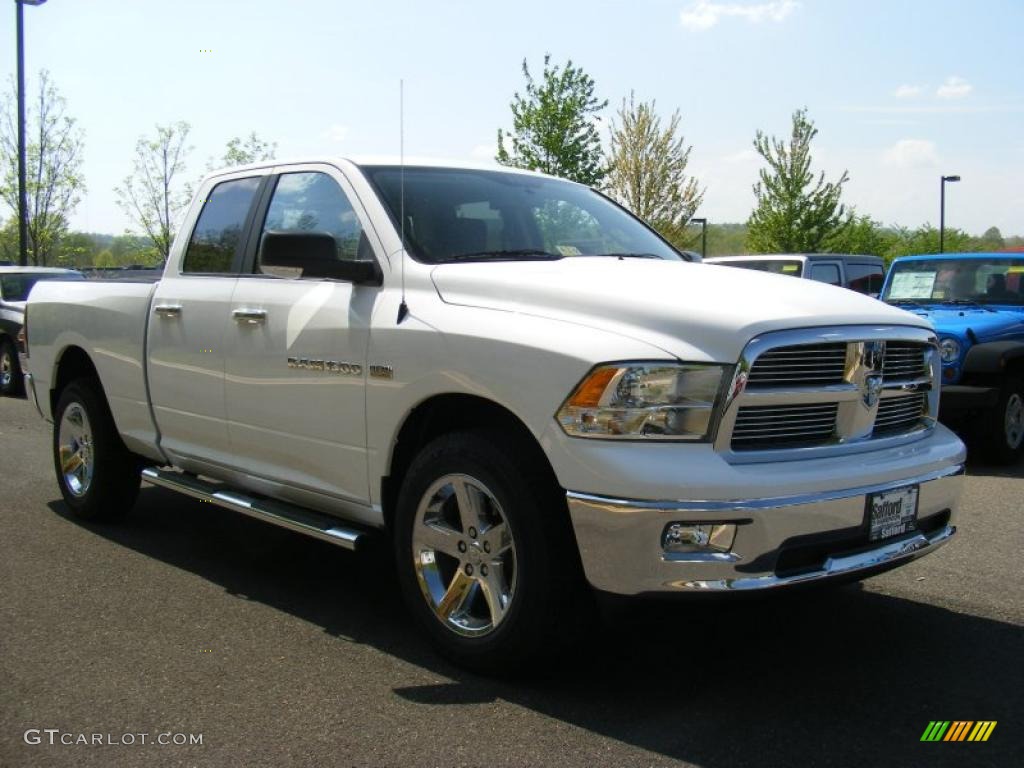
[6,369]
[1013,421]
[464,555]
[74,441]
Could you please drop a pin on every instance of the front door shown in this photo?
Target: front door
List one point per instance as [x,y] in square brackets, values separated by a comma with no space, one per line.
[296,350]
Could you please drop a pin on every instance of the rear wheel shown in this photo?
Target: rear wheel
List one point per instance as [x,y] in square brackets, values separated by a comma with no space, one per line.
[485,556]
[98,477]
[1004,433]
[10,371]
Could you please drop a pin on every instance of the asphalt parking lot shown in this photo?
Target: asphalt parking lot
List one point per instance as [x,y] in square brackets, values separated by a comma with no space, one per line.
[281,650]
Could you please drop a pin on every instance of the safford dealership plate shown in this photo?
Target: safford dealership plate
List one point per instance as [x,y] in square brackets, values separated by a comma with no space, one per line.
[892,513]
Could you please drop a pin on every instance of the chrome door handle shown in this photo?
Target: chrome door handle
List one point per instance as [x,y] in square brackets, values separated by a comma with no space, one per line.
[250,316]
[168,310]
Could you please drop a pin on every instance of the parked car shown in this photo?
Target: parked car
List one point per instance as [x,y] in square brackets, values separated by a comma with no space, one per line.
[540,395]
[976,303]
[15,284]
[863,274]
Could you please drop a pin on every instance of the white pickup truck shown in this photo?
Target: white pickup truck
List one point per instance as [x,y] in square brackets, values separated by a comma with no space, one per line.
[520,383]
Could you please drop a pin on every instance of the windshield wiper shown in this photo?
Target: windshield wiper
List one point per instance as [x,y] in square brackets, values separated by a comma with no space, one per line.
[632,255]
[967,303]
[520,254]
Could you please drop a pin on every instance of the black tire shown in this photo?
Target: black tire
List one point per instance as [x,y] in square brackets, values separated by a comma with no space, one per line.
[108,491]
[11,383]
[545,603]
[1003,437]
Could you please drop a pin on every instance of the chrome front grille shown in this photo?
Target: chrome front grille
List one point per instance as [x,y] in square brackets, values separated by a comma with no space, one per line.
[810,364]
[904,360]
[896,414]
[758,426]
[829,390]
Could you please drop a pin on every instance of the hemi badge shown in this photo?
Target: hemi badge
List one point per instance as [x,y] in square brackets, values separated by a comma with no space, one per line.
[382,372]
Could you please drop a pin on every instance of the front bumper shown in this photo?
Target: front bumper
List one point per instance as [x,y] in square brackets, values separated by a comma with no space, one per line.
[779,541]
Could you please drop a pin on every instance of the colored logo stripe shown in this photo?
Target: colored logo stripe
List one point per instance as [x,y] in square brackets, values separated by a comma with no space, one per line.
[958,730]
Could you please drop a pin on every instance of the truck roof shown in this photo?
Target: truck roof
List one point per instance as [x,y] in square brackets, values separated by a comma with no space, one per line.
[369,160]
[960,256]
[798,256]
[36,270]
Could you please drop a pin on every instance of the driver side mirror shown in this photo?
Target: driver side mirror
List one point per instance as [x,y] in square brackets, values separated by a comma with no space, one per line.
[316,255]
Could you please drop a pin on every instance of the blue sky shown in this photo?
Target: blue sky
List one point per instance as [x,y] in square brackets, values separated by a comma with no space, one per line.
[901,91]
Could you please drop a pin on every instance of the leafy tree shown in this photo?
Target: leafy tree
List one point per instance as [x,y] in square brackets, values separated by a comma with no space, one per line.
[239,151]
[925,239]
[863,235]
[794,213]
[992,240]
[53,153]
[647,170]
[153,195]
[553,125]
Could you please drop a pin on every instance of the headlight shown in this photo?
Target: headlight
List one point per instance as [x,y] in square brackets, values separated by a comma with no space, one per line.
[949,349]
[655,401]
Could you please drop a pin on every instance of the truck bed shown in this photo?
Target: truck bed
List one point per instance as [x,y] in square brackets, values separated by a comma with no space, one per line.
[107,319]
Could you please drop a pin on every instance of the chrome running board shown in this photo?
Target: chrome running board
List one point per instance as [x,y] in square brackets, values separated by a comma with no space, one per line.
[319,526]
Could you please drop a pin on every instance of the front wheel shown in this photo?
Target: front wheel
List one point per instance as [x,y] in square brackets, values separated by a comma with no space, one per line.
[10,371]
[486,558]
[98,477]
[1005,429]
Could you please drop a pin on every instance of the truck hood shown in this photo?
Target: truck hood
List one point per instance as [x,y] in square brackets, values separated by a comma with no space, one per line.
[692,311]
[986,325]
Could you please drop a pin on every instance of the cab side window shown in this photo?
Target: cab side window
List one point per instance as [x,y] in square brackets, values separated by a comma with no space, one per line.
[865,278]
[217,237]
[825,273]
[314,202]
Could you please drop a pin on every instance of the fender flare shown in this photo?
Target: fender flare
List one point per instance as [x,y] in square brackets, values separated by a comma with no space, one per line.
[993,356]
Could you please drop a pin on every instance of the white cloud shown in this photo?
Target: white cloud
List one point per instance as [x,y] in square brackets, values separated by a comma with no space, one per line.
[911,153]
[954,88]
[484,151]
[336,132]
[743,156]
[907,91]
[704,14]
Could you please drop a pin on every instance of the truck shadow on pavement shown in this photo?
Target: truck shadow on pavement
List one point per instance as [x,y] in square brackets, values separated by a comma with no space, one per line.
[839,677]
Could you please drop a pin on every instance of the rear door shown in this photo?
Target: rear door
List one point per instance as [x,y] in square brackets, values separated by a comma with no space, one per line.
[189,313]
[296,347]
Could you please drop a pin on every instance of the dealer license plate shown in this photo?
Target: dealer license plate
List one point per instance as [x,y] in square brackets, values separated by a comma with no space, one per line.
[892,513]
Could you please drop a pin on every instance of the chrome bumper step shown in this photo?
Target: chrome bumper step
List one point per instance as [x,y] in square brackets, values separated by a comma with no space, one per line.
[319,526]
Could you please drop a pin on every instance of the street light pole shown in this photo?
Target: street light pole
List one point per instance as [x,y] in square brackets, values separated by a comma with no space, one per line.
[942,210]
[703,236]
[22,191]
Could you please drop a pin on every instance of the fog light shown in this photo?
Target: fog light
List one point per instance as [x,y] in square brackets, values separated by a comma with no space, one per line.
[698,537]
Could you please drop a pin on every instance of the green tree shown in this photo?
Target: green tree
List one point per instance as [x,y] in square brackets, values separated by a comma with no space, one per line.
[77,249]
[553,125]
[992,240]
[647,170]
[239,151]
[153,195]
[53,153]
[862,235]
[794,213]
[925,239]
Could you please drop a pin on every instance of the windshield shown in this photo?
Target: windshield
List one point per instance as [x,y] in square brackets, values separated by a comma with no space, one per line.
[775,266]
[16,287]
[952,281]
[473,215]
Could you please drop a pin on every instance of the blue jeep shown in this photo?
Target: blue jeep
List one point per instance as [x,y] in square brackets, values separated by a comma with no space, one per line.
[976,303]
